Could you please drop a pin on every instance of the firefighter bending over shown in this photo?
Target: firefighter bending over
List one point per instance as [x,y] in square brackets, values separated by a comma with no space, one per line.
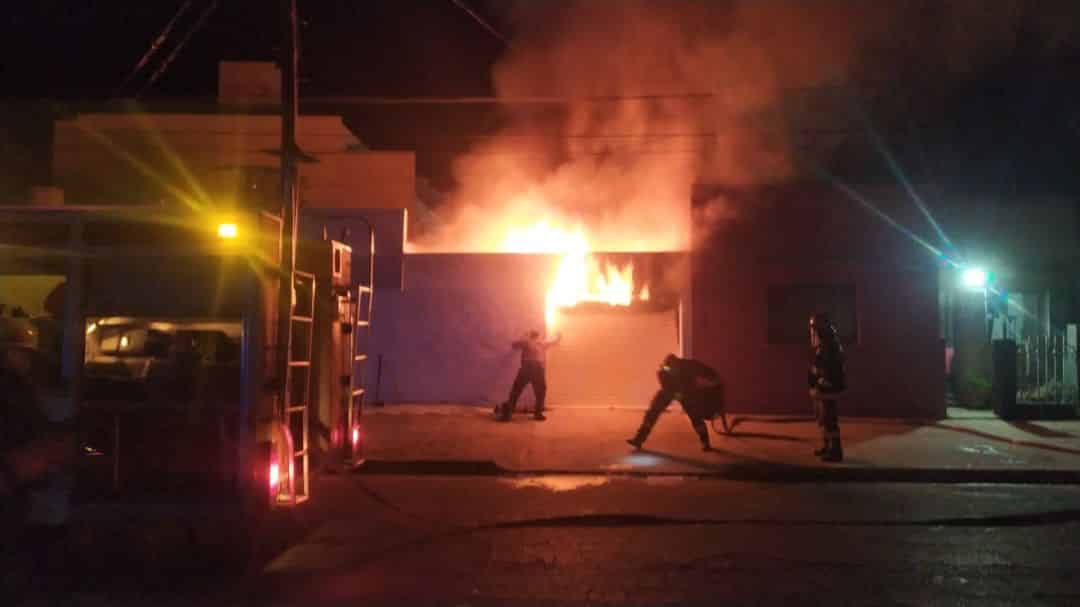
[694,384]
[533,356]
[827,379]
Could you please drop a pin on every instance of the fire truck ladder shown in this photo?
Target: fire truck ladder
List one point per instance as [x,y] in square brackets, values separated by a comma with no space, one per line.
[298,388]
[358,348]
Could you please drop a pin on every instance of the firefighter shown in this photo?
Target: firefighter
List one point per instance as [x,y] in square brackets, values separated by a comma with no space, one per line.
[533,356]
[35,451]
[827,380]
[694,384]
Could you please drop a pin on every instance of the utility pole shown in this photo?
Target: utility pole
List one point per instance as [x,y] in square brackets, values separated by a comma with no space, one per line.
[290,198]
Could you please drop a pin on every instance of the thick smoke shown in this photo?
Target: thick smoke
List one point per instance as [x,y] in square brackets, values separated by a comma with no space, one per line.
[624,170]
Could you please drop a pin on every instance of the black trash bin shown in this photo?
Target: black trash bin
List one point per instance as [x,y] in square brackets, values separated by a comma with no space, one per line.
[1003,383]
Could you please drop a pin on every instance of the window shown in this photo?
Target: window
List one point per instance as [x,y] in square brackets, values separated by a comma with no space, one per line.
[790,309]
[134,341]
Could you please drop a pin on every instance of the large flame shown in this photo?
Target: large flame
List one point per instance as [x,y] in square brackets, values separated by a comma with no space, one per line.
[579,277]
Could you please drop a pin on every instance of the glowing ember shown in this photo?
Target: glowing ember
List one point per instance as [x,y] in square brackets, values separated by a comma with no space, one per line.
[579,278]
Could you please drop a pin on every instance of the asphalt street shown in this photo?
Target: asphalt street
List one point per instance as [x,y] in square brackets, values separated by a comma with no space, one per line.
[599,540]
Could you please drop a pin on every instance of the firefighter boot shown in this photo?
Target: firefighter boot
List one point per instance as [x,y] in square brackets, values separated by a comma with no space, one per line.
[503,412]
[703,433]
[821,451]
[834,451]
[639,438]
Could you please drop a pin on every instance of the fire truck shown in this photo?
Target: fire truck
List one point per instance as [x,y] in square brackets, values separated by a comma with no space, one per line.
[172,353]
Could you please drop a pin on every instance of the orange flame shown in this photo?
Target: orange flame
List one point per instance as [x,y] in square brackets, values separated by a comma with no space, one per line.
[579,277]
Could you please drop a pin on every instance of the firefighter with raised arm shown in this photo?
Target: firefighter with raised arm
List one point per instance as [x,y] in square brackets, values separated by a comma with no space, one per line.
[695,385]
[828,380]
[533,361]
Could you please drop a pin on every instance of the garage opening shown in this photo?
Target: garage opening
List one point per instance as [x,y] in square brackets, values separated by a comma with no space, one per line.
[609,356]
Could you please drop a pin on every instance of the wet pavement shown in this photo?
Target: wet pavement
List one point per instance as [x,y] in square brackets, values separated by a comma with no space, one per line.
[455,509]
[587,540]
[661,540]
[402,438]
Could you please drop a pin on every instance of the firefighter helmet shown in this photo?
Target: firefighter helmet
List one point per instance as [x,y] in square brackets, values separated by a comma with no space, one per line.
[18,333]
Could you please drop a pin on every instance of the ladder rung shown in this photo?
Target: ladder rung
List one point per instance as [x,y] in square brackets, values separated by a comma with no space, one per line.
[300,453]
[359,357]
[302,319]
[363,323]
[364,289]
[296,409]
[299,363]
[357,392]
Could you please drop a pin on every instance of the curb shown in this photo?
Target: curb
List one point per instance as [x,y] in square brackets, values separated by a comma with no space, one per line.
[755,472]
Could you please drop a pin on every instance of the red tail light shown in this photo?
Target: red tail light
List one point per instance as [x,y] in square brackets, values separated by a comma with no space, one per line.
[355,436]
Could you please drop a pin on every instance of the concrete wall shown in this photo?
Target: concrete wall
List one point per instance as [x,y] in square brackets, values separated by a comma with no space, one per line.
[124,158]
[446,337]
[360,180]
[27,292]
[895,369]
[808,236]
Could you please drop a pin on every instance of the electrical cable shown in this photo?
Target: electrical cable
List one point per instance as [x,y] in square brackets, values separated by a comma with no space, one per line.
[155,45]
[491,29]
[183,41]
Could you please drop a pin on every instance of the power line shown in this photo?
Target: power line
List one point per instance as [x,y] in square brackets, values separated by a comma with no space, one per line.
[482,100]
[494,32]
[630,137]
[155,45]
[183,41]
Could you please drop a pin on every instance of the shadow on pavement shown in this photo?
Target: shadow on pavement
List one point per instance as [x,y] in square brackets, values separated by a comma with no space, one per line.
[735,421]
[1040,431]
[766,436]
[1005,439]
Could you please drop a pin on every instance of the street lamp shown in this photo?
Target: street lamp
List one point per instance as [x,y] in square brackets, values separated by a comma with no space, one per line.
[975,279]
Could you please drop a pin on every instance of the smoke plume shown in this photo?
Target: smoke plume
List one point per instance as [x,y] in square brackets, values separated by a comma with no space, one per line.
[702,87]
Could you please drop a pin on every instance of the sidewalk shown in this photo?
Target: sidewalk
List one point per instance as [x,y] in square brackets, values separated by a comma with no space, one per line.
[466,440]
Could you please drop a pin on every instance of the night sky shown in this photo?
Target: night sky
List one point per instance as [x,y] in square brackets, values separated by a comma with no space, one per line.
[405,47]
[83,51]
[1021,110]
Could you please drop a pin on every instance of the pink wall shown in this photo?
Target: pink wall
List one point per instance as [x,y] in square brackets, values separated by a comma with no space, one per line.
[895,369]
[799,236]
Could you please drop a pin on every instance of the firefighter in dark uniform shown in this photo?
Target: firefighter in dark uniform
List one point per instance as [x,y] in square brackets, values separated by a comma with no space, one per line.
[694,384]
[34,450]
[828,380]
[533,361]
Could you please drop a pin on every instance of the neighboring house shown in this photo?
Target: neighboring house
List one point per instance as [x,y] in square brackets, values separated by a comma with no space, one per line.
[1031,248]
[220,152]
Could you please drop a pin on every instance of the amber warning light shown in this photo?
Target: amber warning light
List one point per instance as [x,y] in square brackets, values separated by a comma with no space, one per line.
[227,231]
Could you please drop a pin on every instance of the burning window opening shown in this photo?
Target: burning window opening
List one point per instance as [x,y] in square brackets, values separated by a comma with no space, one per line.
[580,279]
